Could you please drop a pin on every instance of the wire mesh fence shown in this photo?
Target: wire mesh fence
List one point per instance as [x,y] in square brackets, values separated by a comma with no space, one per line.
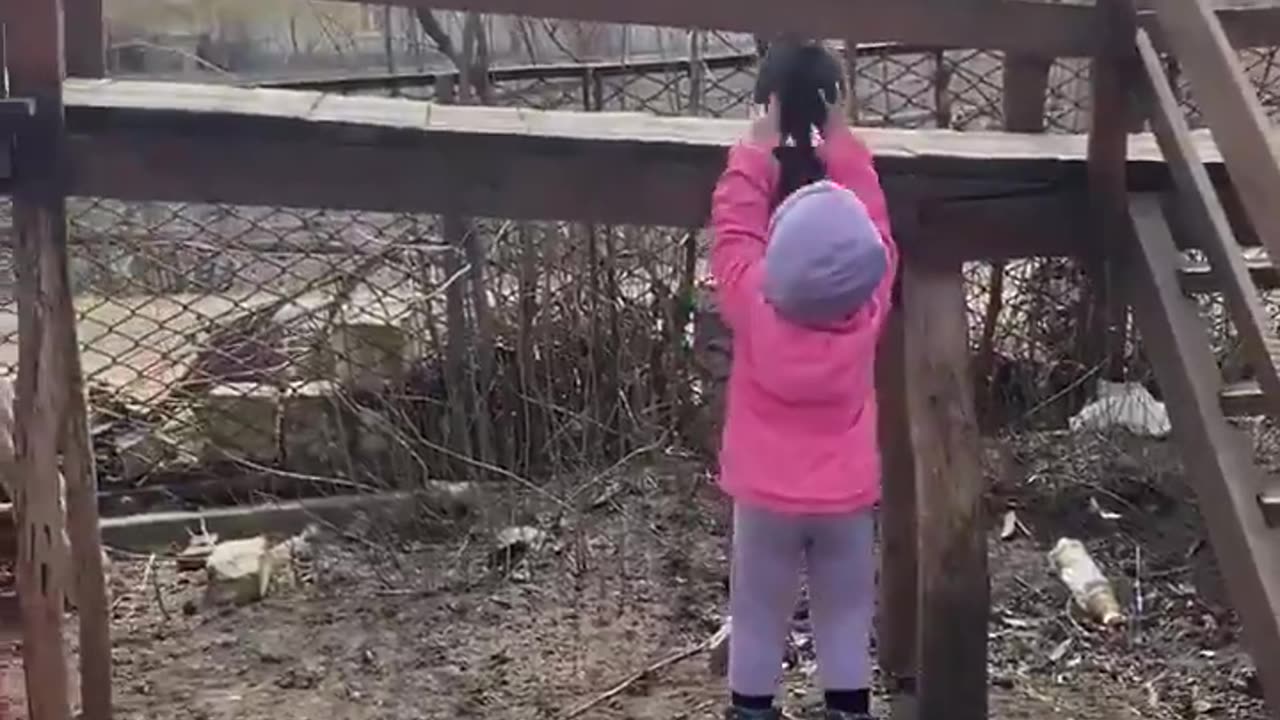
[219,337]
[236,354]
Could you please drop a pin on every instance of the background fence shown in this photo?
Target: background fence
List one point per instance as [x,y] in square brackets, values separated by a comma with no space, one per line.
[305,350]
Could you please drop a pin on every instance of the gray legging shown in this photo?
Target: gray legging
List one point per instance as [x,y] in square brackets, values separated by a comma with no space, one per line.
[839,552]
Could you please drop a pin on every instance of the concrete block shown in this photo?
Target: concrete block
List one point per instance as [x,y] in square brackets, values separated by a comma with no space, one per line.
[367,354]
[241,421]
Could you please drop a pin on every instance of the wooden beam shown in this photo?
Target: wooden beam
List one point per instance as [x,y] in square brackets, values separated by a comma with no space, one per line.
[1051,29]
[1230,105]
[1243,399]
[189,143]
[954,592]
[176,142]
[86,38]
[1203,278]
[52,417]
[34,57]
[1218,457]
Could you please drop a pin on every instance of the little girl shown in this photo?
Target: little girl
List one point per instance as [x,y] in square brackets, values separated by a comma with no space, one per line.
[804,265]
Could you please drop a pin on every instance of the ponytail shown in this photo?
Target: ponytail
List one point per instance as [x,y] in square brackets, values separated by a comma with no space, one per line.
[805,79]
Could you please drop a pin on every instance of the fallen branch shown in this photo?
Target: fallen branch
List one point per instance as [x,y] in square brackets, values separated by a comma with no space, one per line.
[622,687]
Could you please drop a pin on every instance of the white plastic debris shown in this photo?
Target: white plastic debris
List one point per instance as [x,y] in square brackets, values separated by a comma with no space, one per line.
[1089,587]
[1124,405]
[237,573]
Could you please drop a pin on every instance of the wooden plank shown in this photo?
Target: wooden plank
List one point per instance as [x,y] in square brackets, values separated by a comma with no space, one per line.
[175,142]
[164,108]
[51,389]
[954,592]
[1202,278]
[34,57]
[1229,104]
[86,38]
[1243,399]
[1051,29]
[1218,458]
[1199,207]
[231,113]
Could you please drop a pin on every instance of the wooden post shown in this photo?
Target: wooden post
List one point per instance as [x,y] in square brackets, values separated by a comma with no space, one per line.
[954,592]
[92,604]
[35,71]
[51,412]
[86,39]
[1114,70]
[1026,86]
[896,626]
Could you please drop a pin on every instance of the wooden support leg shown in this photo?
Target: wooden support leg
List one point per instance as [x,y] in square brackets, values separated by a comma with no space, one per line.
[896,631]
[954,593]
[51,413]
[38,222]
[1026,87]
[1115,69]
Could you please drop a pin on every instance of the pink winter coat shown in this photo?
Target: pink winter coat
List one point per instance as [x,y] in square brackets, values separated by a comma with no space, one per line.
[800,425]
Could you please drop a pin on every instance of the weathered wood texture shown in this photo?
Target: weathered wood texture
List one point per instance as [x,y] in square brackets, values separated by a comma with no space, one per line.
[1232,109]
[1202,213]
[39,220]
[896,635]
[1026,87]
[86,38]
[1111,115]
[51,414]
[1039,27]
[176,142]
[954,592]
[1218,457]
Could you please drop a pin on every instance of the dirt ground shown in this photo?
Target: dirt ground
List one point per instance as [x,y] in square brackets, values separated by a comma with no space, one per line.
[427,622]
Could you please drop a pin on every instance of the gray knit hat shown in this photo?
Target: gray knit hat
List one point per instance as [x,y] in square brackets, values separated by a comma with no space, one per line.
[825,257]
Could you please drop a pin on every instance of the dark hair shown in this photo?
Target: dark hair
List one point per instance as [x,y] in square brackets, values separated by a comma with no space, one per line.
[806,79]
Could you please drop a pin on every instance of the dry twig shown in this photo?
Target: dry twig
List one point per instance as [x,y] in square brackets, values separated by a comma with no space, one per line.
[623,686]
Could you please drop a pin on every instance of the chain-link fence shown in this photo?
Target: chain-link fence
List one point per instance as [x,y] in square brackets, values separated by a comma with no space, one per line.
[239,353]
[216,336]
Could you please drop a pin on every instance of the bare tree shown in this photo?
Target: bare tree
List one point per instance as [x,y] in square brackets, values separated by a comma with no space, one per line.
[471,61]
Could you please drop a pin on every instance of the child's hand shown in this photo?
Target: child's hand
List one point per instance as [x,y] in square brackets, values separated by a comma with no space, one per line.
[837,115]
[764,131]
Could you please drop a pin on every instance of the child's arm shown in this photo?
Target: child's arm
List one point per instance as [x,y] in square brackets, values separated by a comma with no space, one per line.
[850,163]
[740,210]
